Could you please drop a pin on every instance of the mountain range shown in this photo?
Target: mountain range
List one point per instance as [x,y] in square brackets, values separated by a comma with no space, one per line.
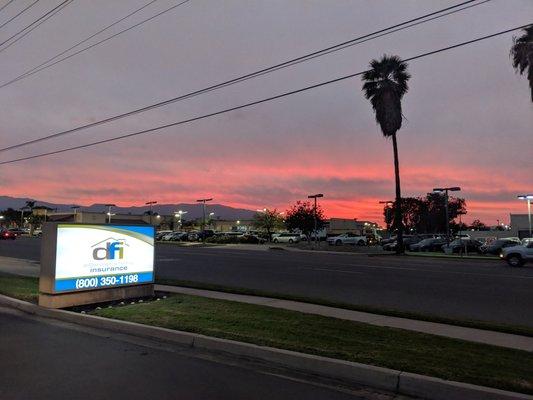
[193,210]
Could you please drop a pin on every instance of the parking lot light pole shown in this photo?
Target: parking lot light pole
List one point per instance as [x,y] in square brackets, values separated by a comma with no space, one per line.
[203,201]
[179,214]
[528,198]
[445,191]
[150,203]
[315,196]
[109,212]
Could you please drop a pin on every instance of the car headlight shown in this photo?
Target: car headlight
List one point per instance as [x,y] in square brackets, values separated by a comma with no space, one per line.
[501,255]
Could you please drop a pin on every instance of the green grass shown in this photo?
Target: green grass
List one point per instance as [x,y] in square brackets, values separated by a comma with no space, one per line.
[491,326]
[386,347]
[19,287]
[434,254]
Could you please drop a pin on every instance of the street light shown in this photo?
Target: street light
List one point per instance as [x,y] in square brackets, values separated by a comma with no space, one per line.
[150,203]
[315,196]
[445,191]
[178,214]
[203,201]
[528,198]
[109,212]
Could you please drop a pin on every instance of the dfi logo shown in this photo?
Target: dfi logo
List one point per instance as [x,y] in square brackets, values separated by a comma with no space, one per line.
[110,250]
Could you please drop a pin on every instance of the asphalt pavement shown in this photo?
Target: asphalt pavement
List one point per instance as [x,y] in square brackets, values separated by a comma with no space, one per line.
[46,359]
[468,289]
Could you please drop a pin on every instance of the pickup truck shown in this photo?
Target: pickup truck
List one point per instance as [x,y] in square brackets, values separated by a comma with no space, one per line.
[516,256]
[347,238]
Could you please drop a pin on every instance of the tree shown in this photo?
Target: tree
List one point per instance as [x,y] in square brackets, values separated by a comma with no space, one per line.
[478,225]
[426,215]
[267,220]
[301,216]
[11,217]
[522,55]
[385,84]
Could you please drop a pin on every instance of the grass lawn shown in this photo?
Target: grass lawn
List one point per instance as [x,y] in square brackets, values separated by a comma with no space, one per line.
[492,326]
[19,287]
[387,347]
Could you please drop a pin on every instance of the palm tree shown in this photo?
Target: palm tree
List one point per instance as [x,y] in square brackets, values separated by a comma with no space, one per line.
[522,55]
[385,83]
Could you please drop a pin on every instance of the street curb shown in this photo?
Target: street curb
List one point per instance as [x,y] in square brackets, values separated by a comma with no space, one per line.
[377,377]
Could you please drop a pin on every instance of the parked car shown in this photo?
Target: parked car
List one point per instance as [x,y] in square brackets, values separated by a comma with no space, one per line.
[516,256]
[526,241]
[408,240]
[159,235]
[497,246]
[286,237]
[18,231]
[464,245]
[6,234]
[251,239]
[347,238]
[430,244]
[200,236]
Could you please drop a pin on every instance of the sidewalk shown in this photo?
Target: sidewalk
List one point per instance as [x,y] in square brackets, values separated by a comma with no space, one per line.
[31,268]
[451,331]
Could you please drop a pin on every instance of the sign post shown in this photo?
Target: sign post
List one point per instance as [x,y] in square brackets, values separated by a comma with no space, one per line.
[89,263]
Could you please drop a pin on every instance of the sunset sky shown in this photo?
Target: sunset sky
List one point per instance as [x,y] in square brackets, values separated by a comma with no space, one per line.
[468,116]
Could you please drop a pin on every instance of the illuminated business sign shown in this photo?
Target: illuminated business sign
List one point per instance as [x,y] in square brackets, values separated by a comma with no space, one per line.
[89,257]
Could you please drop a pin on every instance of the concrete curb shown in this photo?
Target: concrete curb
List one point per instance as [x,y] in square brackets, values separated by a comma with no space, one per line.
[381,378]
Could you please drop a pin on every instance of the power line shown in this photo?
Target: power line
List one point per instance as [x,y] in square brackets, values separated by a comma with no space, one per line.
[27,74]
[258,73]
[5,5]
[261,72]
[80,42]
[247,105]
[20,13]
[38,21]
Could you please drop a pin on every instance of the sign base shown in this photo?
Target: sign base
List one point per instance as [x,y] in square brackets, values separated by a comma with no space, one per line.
[63,300]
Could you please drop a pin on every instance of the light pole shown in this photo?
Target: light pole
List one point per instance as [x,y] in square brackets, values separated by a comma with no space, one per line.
[150,203]
[388,204]
[179,214]
[528,198]
[22,215]
[203,201]
[315,196]
[445,191]
[109,212]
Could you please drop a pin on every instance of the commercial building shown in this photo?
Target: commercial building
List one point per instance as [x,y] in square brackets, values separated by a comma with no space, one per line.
[519,225]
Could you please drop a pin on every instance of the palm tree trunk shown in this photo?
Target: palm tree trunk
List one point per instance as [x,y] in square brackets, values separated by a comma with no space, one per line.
[398,208]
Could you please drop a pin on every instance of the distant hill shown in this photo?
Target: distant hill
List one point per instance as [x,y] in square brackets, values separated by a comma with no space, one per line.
[193,210]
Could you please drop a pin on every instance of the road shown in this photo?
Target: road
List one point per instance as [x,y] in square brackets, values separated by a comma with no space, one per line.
[471,289]
[44,359]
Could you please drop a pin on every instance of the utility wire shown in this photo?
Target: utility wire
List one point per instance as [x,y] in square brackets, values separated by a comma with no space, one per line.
[20,13]
[247,105]
[27,74]
[80,42]
[38,21]
[263,71]
[38,69]
[5,5]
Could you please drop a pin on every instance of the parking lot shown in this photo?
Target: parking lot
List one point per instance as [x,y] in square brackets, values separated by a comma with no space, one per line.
[467,289]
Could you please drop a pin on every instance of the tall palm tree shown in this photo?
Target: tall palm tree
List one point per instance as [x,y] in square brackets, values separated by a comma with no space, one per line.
[384,85]
[522,55]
